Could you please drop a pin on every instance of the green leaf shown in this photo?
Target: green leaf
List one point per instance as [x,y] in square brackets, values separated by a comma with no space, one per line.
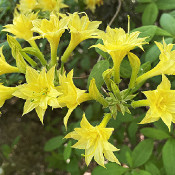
[97,71]
[155,133]
[139,172]
[54,143]
[166,4]
[150,14]
[153,52]
[162,32]
[100,52]
[6,150]
[73,167]
[150,167]
[146,31]
[111,169]
[172,13]
[125,69]
[168,154]
[67,150]
[132,129]
[15,142]
[123,158]
[167,22]
[142,152]
[144,68]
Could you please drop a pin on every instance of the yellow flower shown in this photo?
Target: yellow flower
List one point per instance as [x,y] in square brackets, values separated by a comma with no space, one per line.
[39,91]
[6,93]
[4,66]
[166,64]
[118,44]
[91,4]
[71,95]
[51,5]
[161,102]
[81,29]
[27,5]
[51,29]
[95,142]
[22,25]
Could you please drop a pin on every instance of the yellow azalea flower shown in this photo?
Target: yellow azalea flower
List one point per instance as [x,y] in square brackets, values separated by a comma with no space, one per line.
[161,102]
[118,44]
[4,66]
[6,93]
[51,5]
[166,64]
[52,30]
[95,142]
[26,6]
[39,91]
[81,29]
[91,4]
[22,25]
[71,95]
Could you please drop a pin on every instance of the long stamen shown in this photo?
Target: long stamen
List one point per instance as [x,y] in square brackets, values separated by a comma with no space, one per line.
[128,24]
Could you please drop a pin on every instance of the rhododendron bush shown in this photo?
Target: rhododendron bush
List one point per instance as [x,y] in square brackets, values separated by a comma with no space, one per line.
[115,111]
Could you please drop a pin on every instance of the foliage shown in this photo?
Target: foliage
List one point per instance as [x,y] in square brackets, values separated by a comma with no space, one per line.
[114,85]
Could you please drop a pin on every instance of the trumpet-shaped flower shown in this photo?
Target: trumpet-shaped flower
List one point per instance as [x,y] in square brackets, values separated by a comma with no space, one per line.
[166,64]
[39,91]
[161,102]
[81,29]
[26,6]
[51,5]
[91,4]
[4,66]
[22,25]
[95,142]
[118,44]
[71,95]
[6,93]
[51,29]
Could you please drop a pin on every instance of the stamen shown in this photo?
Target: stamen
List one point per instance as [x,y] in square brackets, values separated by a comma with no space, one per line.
[128,24]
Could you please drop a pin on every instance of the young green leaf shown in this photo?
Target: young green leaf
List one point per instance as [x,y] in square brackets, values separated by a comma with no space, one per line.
[167,22]
[111,169]
[168,153]
[155,133]
[97,71]
[54,143]
[142,152]
[150,14]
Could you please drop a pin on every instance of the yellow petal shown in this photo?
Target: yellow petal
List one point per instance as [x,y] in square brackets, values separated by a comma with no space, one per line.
[29,106]
[84,123]
[165,84]
[167,118]
[149,118]
[73,135]
[110,156]
[98,156]
[95,94]
[31,75]
[40,113]
[67,117]
[89,153]
[50,75]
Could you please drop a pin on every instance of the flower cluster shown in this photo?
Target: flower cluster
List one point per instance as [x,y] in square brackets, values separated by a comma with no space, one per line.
[26,6]
[48,84]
